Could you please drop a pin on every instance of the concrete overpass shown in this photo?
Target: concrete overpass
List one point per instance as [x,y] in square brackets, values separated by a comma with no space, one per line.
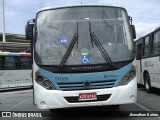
[14,43]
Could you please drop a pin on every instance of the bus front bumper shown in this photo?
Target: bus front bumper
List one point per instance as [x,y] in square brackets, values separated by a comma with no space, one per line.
[55,99]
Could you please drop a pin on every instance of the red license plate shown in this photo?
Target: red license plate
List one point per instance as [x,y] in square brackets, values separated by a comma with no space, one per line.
[87,96]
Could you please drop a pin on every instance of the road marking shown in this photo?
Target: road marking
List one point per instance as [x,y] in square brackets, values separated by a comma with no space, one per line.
[14,92]
[146,109]
[141,106]
[17,105]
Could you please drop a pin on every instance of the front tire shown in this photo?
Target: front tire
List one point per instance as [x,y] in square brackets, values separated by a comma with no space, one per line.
[115,106]
[55,110]
[147,83]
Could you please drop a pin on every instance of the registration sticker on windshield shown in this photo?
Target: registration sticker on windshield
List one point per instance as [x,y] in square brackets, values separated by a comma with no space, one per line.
[63,40]
[84,51]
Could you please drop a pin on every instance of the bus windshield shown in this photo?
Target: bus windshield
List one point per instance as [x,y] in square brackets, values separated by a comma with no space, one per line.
[56,28]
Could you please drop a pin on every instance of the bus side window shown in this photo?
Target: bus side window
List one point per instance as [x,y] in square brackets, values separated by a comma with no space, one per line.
[1,63]
[9,63]
[156,44]
[147,47]
[139,51]
[25,62]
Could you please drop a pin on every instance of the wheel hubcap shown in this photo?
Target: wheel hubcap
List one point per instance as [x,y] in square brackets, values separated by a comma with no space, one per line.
[147,85]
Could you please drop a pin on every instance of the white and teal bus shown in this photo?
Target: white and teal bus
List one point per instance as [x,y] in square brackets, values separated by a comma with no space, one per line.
[148,60]
[82,56]
[15,70]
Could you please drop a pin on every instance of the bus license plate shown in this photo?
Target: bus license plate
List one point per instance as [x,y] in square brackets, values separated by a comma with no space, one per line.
[87,96]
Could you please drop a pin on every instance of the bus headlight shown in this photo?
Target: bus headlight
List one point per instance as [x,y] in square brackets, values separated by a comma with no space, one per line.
[132,74]
[47,84]
[44,82]
[129,76]
[39,79]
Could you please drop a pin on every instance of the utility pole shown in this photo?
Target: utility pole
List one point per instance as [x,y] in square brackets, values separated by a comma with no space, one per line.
[3,22]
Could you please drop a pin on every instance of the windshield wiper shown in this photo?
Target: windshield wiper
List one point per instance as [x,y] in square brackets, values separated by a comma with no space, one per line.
[69,49]
[96,41]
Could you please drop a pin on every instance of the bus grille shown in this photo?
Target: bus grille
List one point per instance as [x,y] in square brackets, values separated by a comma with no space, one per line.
[101,84]
[99,98]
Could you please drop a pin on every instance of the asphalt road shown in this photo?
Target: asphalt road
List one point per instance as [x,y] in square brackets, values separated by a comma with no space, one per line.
[21,101]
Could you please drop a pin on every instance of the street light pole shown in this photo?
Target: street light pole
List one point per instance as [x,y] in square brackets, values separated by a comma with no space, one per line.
[3,22]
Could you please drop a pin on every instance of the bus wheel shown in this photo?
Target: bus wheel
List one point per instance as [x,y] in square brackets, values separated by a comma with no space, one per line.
[147,83]
[55,110]
[115,106]
[52,110]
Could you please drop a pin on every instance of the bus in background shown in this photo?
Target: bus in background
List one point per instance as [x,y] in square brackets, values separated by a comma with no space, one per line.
[82,56]
[148,60]
[15,70]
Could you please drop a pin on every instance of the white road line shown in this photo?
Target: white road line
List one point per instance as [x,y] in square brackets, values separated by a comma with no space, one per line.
[16,105]
[146,109]
[14,92]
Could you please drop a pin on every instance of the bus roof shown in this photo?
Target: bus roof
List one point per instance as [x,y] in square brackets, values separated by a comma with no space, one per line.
[155,29]
[14,54]
[83,5]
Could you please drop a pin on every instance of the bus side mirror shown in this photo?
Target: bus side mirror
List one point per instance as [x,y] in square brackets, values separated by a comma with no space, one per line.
[29,29]
[133,31]
[29,35]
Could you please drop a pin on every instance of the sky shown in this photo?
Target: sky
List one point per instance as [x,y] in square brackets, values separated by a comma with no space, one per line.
[145,13]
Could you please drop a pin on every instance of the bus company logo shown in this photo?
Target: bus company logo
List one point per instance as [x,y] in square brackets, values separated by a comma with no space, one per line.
[148,64]
[87,68]
[2,74]
[61,78]
[87,85]
[109,76]
[145,64]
